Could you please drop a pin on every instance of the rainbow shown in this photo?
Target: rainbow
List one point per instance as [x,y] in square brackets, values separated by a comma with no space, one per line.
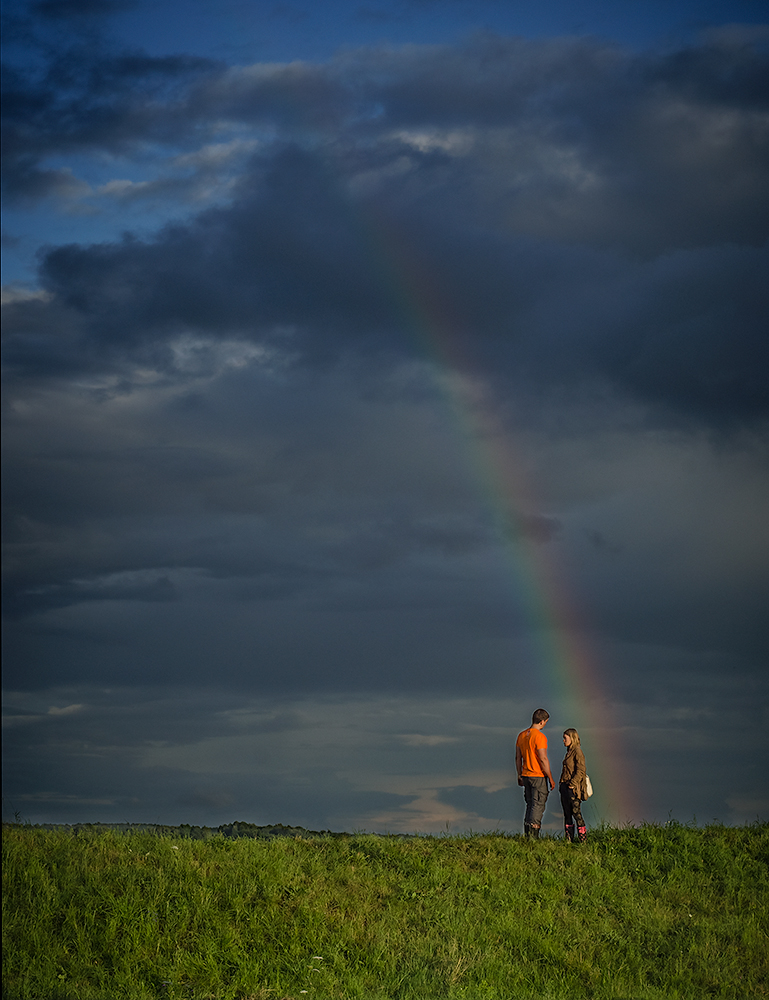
[566,665]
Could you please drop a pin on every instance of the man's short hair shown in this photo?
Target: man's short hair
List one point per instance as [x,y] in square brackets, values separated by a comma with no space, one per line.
[539,716]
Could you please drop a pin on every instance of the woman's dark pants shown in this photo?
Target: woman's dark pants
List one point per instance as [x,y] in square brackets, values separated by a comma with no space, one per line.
[572,805]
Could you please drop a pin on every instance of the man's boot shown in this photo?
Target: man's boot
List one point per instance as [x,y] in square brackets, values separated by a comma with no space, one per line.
[582,834]
[569,830]
[526,830]
[534,831]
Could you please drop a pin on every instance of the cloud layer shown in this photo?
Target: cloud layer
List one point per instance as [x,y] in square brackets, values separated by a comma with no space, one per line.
[432,325]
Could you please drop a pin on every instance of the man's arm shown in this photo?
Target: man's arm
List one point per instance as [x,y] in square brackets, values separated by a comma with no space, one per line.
[544,763]
[519,764]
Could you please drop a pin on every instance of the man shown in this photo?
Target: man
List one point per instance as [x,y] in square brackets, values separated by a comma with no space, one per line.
[533,769]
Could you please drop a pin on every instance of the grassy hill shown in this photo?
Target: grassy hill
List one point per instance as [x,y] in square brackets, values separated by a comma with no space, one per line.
[634,914]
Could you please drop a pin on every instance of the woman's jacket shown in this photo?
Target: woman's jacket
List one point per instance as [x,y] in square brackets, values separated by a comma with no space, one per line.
[573,772]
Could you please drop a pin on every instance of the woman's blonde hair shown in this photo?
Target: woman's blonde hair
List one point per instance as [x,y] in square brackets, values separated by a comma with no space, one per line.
[574,736]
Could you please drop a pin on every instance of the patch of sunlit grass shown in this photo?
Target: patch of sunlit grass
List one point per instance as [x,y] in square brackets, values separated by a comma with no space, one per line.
[647,913]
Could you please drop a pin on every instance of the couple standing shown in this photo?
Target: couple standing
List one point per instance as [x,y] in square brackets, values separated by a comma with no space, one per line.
[533,769]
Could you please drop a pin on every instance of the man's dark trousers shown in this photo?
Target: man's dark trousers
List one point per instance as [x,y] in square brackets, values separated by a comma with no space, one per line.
[535,792]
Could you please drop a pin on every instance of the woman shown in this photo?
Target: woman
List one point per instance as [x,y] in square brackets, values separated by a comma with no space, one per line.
[572,785]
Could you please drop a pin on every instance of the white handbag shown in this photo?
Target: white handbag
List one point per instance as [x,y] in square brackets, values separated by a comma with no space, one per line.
[588,787]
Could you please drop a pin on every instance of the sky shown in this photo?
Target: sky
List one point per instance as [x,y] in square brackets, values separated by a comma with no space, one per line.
[376,373]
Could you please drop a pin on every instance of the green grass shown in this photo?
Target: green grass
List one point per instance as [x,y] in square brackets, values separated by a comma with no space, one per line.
[649,913]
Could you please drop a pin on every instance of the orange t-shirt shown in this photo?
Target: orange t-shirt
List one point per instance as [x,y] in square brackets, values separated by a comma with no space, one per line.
[528,742]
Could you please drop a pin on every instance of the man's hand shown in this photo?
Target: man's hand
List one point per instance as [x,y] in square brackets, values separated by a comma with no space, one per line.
[544,763]
[519,764]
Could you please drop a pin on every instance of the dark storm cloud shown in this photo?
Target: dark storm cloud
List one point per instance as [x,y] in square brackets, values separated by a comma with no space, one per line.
[589,145]
[70,95]
[286,257]
[229,413]
[279,488]
[505,168]
[685,331]
[570,138]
